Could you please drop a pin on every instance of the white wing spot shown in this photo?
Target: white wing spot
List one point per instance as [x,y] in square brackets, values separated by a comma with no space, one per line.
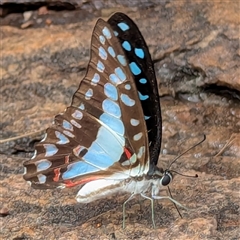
[74,123]
[127,100]
[95,79]
[141,152]
[89,94]
[69,134]
[82,106]
[41,178]
[134,122]
[137,136]
[130,161]
[77,115]
[127,86]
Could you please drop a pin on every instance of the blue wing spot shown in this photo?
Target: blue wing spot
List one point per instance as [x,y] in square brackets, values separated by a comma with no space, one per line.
[111,51]
[143,80]
[51,149]
[78,168]
[115,33]
[88,94]
[100,66]
[77,125]
[126,45]
[123,26]
[114,79]
[111,91]
[62,138]
[95,79]
[111,108]
[134,122]
[134,68]
[102,39]
[115,124]
[119,72]
[43,165]
[127,100]
[122,60]
[127,86]
[139,52]
[99,155]
[41,178]
[67,125]
[102,53]
[106,33]
[137,136]
[77,115]
[146,117]
[104,139]
[142,97]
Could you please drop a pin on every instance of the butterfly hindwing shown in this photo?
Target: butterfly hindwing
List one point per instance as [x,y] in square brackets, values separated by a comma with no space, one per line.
[137,53]
[102,132]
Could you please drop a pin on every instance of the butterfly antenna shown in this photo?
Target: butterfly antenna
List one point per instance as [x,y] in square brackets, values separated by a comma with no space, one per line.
[190,176]
[175,159]
[174,203]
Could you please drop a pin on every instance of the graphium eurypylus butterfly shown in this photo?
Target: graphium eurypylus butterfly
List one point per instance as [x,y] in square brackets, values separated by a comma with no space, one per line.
[109,139]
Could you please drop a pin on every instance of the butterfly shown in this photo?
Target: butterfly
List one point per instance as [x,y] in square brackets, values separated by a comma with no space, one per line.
[109,139]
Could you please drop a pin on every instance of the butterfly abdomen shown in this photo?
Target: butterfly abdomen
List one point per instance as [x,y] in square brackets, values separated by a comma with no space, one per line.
[105,187]
[99,189]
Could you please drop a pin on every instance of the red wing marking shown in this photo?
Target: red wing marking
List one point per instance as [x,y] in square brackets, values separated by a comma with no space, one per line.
[127,152]
[57,174]
[66,159]
[69,183]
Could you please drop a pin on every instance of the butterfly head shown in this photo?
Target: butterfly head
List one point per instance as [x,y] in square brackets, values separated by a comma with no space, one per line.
[164,177]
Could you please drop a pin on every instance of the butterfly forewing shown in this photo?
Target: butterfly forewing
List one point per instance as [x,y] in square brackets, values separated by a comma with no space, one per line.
[102,132]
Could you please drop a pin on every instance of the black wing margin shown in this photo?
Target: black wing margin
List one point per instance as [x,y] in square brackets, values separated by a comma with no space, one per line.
[126,30]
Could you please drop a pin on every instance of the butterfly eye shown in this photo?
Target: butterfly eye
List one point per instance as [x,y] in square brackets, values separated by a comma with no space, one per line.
[166,179]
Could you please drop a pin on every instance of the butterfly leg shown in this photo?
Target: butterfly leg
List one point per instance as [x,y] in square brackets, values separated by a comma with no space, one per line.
[171,199]
[152,207]
[124,208]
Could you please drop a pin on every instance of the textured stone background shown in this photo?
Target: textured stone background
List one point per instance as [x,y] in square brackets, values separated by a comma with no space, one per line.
[195,48]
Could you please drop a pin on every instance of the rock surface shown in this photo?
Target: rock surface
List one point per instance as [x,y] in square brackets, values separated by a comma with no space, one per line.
[195,47]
